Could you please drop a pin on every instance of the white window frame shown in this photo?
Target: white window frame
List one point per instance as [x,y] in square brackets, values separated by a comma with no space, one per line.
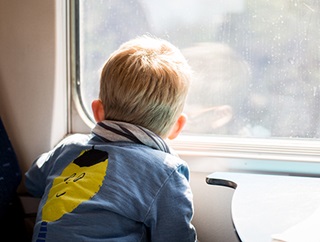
[205,153]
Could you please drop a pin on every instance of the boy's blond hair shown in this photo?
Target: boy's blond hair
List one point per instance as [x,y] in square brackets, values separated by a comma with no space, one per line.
[145,82]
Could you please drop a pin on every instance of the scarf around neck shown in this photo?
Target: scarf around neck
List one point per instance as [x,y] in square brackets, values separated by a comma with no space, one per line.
[111,131]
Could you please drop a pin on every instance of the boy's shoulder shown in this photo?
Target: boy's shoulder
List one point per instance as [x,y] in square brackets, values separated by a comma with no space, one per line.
[157,158]
[74,139]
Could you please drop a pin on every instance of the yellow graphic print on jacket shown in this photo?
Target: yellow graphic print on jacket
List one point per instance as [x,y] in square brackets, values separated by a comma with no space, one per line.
[78,182]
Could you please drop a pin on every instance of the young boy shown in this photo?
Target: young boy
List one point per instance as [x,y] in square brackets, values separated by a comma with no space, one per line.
[122,182]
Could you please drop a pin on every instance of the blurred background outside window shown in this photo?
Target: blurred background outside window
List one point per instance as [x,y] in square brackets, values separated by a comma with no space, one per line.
[256,63]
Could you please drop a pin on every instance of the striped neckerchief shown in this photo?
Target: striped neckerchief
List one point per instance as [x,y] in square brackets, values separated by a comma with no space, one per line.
[111,131]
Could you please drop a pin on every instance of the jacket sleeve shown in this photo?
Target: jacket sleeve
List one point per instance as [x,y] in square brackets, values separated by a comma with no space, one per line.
[37,174]
[169,218]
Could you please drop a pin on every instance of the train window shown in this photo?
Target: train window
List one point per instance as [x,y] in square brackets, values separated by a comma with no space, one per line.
[256,63]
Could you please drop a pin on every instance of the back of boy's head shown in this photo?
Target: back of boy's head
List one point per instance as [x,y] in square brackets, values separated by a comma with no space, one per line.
[145,82]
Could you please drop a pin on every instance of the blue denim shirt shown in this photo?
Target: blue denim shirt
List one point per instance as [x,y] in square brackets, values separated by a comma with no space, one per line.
[94,190]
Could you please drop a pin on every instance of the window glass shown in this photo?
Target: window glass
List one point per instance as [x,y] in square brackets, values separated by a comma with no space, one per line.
[256,63]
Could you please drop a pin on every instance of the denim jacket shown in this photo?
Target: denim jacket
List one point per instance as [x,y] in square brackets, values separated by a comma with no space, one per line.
[120,183]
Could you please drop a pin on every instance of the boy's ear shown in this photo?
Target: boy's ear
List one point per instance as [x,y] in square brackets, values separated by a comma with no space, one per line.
[98,110]
[178,126]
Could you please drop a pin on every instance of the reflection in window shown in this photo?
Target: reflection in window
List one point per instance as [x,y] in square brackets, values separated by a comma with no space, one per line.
[256,62]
